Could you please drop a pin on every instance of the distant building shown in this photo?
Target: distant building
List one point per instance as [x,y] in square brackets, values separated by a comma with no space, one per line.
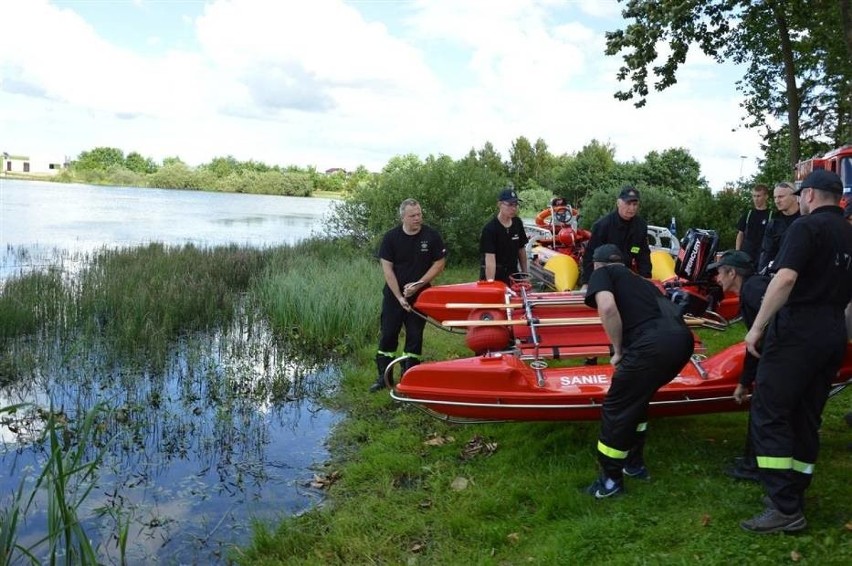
[334,170]
[24,164]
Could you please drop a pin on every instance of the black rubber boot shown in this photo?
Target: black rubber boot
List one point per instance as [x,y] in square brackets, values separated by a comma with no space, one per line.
[382,363]
[409,363]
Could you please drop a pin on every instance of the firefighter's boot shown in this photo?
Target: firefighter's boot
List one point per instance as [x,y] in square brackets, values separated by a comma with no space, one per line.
[382,363]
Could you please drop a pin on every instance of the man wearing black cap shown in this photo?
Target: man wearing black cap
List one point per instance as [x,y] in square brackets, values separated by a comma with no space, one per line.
[650,345]
[735,273]
[624,228]
[502,241]
[802,327]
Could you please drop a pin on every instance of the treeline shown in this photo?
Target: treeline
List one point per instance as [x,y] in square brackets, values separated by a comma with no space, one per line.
[109,166]
[458,195]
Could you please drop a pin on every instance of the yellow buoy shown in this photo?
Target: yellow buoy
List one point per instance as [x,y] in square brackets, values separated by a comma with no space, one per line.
[662,266]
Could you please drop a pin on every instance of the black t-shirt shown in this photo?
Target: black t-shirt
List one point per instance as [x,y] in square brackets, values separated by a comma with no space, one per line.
[411,255]
[504,243]
[753,225]
[636,298]
[631,237]
[818,247]
[772,237]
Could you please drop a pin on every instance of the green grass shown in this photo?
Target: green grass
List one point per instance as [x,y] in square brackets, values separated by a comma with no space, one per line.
[395,500]
[524,504]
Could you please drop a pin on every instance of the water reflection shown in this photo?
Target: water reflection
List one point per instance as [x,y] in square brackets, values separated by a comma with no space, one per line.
[230,431]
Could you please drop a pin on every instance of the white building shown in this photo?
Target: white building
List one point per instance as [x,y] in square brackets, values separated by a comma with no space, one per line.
[25,164]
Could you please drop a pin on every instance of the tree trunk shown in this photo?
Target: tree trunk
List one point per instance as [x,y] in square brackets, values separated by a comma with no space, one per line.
[793,101]
[846,20]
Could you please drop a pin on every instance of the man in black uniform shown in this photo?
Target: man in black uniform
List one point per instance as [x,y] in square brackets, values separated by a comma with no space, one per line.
[650,345]
[624,228]
[503,240]
[803,319]
[787,206]
[752,224]
[412,255]
[734,273]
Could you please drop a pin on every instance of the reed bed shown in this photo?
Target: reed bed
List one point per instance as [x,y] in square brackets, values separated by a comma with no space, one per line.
[142,299]
[322,295]
[35,302]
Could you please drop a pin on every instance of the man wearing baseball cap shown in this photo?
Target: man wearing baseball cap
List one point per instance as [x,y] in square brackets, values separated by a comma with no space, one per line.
[650,345]
[800,336]
[734,272]
[624,228]
[503,240]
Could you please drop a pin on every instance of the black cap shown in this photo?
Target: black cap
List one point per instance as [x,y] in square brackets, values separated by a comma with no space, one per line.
[823,180]
[733,258]
[508,195]
[608,253]
[628,194]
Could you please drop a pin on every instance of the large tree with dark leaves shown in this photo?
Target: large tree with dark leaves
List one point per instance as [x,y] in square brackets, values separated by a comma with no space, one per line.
[797,53]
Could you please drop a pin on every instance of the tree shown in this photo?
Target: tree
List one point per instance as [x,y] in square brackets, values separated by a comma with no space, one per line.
[674,170]
[100,158]
[521,161]
[798,41]
[592,168]
[490,159]
[138,164]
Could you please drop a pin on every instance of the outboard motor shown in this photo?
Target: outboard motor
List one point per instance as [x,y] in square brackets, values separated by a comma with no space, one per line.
[694,291]
[697,250]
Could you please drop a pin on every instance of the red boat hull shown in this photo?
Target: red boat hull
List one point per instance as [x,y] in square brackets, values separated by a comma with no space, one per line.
[501,387]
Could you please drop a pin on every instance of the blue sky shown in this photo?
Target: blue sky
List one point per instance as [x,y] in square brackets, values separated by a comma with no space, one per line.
[333,83]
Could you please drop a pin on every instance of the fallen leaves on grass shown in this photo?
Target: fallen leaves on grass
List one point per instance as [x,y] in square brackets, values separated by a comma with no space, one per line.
[459,484]
[795,556]
[438,440]
[478,446]
[705,520]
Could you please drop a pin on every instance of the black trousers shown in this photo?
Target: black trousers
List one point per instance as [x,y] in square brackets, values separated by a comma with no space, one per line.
[654,356]
[393,318]
[802,351]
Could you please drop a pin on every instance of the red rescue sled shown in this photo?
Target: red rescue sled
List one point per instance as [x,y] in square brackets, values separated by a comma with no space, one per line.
[503,387]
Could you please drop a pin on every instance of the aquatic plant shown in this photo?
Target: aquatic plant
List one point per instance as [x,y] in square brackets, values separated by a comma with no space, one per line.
[67,478]
[323,295]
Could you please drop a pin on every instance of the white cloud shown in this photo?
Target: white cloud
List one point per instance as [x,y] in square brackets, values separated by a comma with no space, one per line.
[321,83]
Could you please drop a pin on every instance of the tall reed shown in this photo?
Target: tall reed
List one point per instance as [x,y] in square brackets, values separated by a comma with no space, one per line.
[67,478]
[323,294]
[33,302]
[141,299]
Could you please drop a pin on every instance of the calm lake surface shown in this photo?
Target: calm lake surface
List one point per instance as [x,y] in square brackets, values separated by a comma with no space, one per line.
[190,481]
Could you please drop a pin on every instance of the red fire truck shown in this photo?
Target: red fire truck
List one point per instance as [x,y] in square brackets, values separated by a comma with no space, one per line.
[838,160]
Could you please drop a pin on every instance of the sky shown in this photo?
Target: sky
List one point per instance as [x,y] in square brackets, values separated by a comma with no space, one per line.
[334,83]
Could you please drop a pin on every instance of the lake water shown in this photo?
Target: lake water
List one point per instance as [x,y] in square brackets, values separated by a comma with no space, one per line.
[43,216]
[206,462]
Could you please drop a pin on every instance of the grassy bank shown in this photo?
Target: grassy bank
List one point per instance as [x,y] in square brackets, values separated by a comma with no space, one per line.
[405,488]
[408,489]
